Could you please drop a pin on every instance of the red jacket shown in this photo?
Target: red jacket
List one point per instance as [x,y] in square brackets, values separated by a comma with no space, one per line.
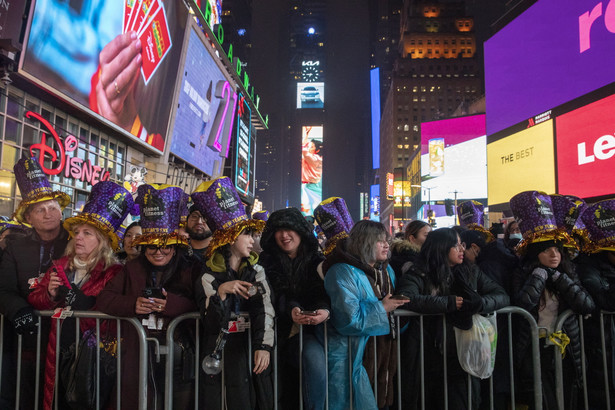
[41,300]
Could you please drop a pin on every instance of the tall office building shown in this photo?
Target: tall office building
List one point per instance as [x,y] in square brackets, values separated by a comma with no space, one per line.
[437,70]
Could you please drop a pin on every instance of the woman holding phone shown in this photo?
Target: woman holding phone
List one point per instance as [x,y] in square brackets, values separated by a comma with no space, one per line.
[156,287]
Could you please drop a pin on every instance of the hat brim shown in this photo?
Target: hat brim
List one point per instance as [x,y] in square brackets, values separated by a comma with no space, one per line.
[553,235]
[332,243]
[479,228]
[158,239]
[86,218]
[223,237]
[62,198]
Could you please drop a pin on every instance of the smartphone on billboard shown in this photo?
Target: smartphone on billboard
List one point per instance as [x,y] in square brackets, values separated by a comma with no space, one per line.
[436,157]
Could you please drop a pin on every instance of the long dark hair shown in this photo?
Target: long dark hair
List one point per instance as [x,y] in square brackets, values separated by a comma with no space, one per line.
[530,259]
[414,227]
[433,258]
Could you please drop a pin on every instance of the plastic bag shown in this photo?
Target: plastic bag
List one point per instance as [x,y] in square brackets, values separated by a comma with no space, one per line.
[476,347]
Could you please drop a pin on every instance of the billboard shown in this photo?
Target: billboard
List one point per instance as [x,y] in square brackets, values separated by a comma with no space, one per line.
[586,150]
[243,151]
[454,158]
[520,162]
[311,95]
[552,53]
[205,109]
[311,168]
[113,62]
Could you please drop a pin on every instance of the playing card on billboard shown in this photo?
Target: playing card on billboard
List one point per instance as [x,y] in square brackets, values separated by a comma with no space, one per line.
[155,43]
[586,150]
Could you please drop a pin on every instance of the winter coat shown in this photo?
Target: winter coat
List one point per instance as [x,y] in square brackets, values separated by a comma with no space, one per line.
[217,313]
[498,262]
[85,300]
[528,290]
[403,255]
[356,314]
[119,298]
[23,264]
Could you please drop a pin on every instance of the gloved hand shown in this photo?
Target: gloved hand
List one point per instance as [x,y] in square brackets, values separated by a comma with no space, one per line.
[24,321]
[76,299]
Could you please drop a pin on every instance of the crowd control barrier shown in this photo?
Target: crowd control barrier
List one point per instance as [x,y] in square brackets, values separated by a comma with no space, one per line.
[169,352]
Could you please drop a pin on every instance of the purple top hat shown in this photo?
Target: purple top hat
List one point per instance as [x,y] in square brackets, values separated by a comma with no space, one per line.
[599,220]
[160,213]
[261,215]
[470,212]
[34,187]
[567,209]
[6,223]
[226,216]
[106,208]
[333,217]
[534,213]
[184,209]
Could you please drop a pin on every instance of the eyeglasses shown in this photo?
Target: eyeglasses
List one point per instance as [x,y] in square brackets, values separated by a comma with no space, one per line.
[195,216]
[460,247]
[165,250]
[385,242]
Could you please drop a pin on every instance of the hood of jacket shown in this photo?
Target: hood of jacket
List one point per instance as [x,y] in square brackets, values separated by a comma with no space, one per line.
[288,218]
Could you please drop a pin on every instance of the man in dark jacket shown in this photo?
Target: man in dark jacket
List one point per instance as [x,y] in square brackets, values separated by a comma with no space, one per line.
[25,261]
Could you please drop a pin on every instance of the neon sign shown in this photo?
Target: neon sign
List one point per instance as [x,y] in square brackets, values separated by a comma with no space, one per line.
[72,167]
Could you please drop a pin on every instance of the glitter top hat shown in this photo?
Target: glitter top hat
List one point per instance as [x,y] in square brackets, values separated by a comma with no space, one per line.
[106,208]
[471,216]
[160,207]
[34,187]
[533,212]
[261,215]
[333,217]
[599,220]
[226,216]
[568,210]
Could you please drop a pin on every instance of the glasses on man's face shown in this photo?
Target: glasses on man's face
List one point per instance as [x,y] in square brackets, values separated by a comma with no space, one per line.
[460,246]
[195,217]
[165,250]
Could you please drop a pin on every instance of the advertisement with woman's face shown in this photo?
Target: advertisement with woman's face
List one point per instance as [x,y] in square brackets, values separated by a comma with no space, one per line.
[115,59]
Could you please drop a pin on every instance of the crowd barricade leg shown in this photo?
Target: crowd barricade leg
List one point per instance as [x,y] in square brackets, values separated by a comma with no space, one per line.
[36,359]
[605,366]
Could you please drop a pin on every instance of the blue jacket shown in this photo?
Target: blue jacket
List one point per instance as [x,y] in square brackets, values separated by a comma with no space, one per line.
[356,314]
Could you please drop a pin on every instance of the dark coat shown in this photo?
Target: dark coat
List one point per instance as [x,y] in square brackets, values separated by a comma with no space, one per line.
[119,298]
[498,262]
[527,292]
[403,255]
[21,262]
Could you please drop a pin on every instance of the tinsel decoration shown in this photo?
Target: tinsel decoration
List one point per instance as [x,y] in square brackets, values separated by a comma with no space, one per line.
[223,237]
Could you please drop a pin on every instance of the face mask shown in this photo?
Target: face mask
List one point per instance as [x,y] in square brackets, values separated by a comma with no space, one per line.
[516,236]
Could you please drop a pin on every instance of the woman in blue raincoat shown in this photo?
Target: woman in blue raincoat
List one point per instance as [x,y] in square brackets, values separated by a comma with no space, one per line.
[360,285]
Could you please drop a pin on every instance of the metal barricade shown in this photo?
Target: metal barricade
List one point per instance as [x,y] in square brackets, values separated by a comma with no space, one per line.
[560,386]
[508,311]
[77,315]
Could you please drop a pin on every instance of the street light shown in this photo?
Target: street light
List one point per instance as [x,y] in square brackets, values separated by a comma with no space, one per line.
[428,192]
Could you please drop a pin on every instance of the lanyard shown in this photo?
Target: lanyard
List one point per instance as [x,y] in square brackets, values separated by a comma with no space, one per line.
[42,255]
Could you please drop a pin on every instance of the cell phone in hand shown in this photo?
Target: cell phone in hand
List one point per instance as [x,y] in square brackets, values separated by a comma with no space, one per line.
[309,312]
[153,293]
[400,297]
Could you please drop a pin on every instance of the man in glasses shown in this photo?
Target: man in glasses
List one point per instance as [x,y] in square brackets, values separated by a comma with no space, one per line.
[198,231]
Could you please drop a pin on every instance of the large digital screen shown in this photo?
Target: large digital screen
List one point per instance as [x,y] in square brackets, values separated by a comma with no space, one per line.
[311,168]
[310,95]
[552,53]
[454,158]
[586,150]
[122,73]
[205,110]
[521,162]
[243,151]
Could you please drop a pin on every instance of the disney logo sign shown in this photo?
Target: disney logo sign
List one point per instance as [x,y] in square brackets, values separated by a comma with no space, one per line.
[71,167]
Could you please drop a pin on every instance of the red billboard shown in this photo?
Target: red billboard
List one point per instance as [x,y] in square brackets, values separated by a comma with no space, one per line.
[586,150]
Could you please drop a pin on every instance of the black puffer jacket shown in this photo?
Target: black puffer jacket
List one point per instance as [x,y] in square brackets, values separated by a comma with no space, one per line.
[403,255]
[498,262]
[598,277]
[295,282]
[528,289]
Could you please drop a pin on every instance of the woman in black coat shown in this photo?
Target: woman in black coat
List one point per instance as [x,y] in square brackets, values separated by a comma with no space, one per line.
[545,286]
[439,282]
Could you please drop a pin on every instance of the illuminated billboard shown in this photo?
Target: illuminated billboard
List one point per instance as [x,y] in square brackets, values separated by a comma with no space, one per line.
[205,110]
[521,162]
[310,95]
[454,158]
[243,149]
[311,168]
[586,150]
[117,64]
[552,53]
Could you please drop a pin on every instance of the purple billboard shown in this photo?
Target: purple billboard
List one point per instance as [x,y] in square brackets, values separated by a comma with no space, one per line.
[552,53]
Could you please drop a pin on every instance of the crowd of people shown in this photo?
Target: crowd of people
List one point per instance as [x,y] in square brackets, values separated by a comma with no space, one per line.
[265,281]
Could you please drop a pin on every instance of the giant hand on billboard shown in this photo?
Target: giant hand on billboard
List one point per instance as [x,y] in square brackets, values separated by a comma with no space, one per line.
[112,58]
